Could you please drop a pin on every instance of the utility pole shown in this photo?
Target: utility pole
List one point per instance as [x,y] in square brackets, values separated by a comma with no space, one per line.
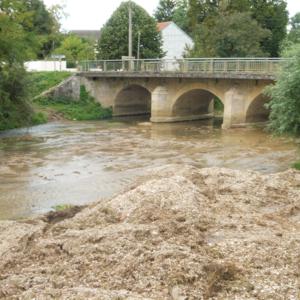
[139,45]
[130,30]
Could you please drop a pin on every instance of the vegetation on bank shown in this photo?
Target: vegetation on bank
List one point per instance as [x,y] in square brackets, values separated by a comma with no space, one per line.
[285,94]
[296,165]
[15,109]
[40,82]
[86,108]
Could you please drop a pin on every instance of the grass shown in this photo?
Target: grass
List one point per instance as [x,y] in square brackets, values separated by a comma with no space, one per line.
[62,207]
[40,82]
[82,110]
[296,165]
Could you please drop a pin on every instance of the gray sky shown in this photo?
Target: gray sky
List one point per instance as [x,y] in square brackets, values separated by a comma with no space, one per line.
[92,14]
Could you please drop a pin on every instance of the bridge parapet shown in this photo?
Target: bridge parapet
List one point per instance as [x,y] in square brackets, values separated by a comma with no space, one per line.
[218,67]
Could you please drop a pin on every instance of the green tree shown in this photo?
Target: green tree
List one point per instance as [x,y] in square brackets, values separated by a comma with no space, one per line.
[17,43]
[294,34]
[173,10]
[113,43]
[285,94]
[198,11]
[180,15]
[76,49]
[40,24]
[271,15]
[230,35]
[165,10]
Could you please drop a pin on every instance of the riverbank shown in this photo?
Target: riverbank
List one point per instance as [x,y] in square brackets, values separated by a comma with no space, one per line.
[179,232]
[83,109]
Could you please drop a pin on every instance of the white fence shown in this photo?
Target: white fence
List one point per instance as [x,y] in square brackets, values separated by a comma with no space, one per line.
[46,65]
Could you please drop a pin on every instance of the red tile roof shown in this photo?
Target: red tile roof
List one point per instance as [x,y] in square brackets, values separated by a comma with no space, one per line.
[163,25]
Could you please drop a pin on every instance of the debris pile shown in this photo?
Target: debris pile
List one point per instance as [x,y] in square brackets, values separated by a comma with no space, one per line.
[180,233]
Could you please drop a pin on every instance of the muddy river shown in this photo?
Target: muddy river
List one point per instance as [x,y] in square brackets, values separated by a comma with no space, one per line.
[77,163]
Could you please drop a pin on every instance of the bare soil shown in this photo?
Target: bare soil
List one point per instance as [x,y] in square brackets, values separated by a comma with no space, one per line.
[179,233]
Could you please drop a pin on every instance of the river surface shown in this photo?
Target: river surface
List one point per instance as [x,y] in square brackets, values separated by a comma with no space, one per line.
[78,163]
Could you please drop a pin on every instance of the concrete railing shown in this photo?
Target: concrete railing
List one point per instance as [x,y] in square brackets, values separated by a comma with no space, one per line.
[267,66]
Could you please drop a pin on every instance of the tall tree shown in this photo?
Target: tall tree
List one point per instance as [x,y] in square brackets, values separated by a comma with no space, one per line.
[113,42]
[294,34]
[272,15]
[229,35]
[199,10]
[165,10]
[16,45]
[41,24]
[173,10]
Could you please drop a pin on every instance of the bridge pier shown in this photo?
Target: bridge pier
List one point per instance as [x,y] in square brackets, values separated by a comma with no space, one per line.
[234,108]
[160,106]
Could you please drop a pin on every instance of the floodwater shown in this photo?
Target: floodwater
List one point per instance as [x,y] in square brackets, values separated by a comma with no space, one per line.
[78,163]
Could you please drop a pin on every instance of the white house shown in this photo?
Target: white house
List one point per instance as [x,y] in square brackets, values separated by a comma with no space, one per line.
[175,40]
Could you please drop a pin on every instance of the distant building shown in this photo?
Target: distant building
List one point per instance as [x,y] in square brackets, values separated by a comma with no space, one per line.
[92,35]
[175,40]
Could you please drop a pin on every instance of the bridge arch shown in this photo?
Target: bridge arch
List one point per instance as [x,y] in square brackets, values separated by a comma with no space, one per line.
[131,100]
[195,102]
[256,110]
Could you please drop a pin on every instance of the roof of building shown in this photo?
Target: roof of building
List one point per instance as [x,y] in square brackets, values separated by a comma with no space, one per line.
[161,26]
[87,34]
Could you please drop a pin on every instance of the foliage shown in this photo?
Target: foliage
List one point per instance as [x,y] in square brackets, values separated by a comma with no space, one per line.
[180,13]
[198,11]
[113,43]
[271,15]
[285,95]
[218,105]
[14,111]
[294,34]
[165,10]
[229,36]
[296,165]
[173,10]
[33,19]
[42,81]
[16,44]
[39,118]
[84,109]
[24,25]
[76,49]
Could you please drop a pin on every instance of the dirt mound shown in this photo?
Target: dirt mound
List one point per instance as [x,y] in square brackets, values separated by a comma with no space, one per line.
[180,233]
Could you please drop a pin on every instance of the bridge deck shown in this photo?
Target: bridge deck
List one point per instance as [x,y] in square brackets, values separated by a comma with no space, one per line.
[124,74]
[231,68]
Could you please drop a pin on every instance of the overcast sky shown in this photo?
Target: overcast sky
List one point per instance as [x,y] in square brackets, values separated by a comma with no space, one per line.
[92,14]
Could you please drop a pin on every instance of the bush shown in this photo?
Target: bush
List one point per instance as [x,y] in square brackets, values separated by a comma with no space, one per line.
[39,118]
[285,94]
[15,111]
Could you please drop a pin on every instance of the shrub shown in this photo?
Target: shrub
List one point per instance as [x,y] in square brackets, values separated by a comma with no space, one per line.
[285,94]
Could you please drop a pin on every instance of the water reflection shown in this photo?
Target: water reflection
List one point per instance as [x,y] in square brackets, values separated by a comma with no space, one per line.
[78,163]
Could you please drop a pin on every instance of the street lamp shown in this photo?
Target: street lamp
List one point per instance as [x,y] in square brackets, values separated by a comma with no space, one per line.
[130,30]
[139,45]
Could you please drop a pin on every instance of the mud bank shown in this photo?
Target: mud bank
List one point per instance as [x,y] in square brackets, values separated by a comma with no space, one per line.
[180,233]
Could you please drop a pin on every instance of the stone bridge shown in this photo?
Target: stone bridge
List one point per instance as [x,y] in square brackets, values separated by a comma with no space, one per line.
[181,90]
